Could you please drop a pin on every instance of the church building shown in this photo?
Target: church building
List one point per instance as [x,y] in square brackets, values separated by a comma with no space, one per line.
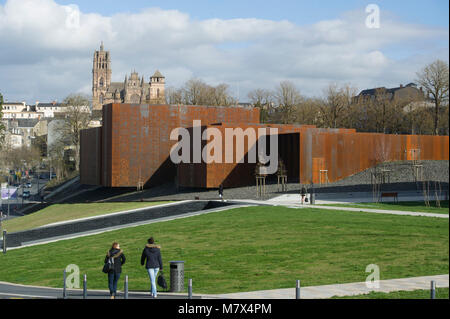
[132,90]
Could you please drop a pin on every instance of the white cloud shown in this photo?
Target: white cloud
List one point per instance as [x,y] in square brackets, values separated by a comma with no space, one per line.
[47,49]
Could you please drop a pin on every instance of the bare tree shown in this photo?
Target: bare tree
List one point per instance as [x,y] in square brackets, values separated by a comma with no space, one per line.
[287,98]
[336,104]
[263,99]
[308,111]
[434,78]
[56,157]
[174,96]
[194,92]
[77,118]
[197,92]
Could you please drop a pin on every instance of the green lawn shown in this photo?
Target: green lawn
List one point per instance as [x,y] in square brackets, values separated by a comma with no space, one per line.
[252,248]
[441,293]
[64,212]
[402,206]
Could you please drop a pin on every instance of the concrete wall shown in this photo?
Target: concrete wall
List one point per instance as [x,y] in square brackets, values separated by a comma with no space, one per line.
[99,223]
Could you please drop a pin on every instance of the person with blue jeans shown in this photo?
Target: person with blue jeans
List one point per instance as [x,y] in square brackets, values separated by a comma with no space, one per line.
[151,257]
[117,258]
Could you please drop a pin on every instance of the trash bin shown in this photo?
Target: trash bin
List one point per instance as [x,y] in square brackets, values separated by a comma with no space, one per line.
[176,276]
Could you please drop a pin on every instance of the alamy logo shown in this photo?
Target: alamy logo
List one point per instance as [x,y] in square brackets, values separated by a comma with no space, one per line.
[373,280]
[73,17]
[233,143]
[373,19]
[73,276]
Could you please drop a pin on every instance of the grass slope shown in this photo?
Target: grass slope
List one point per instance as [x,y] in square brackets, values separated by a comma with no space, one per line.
[252,248]
[64,212]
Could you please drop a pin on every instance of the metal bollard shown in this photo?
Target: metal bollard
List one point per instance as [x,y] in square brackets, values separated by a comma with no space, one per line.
[297,290]
[190,289]
[64,285]
[433,289]
[126,287]
[4,241]
[85,287]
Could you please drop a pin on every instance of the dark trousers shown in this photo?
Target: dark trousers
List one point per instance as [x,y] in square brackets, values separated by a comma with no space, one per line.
[113,278]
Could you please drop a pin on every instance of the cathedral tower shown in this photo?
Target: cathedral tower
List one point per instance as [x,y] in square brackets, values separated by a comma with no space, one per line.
[157,85]
[101,77]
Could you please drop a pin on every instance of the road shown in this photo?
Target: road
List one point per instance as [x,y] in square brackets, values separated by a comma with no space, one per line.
[14,291]
[16,204]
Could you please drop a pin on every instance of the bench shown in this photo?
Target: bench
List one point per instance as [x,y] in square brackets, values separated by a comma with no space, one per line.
[394,195]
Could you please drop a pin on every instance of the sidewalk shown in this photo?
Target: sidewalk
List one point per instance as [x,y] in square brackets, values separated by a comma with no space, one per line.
[9,290]
[295,204]
[351,289]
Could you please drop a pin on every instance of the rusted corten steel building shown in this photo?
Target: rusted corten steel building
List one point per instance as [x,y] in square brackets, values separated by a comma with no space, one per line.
[232,174]
[134,144]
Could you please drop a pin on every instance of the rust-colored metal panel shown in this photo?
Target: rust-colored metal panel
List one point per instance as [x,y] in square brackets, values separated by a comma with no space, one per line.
[90,156]
[137,139]
[345,153]
[240,174]
[135,147]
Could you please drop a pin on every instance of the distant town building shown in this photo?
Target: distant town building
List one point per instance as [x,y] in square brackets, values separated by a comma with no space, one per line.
[414,97]
[132,90]
[19,132]
[26,122]
[408,92]
[19,110]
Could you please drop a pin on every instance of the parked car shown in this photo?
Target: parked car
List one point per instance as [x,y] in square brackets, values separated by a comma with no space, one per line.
[28,185]
[26,194]
[44,176]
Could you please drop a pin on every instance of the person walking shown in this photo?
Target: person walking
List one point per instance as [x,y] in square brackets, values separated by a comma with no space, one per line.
[151,257]
[221,191]
[303,194]
[116,256]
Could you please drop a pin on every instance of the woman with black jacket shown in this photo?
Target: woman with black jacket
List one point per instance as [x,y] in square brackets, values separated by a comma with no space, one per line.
[117,258]
[151,256]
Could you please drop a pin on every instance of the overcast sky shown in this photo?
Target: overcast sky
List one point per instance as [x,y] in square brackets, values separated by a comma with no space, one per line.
[47,46]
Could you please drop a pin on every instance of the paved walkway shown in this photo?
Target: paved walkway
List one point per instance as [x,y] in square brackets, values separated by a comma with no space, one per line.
[8,290]
[382,211]
[295,204]
[351,289]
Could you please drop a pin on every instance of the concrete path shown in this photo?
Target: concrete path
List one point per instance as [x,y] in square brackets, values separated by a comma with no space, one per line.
[295,204]
[381,211]
[8,290]
[354,197]
[351,289]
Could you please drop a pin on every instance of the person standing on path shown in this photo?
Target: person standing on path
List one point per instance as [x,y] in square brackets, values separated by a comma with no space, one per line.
[151,257]
[221,191]
[303,194]
[115,254]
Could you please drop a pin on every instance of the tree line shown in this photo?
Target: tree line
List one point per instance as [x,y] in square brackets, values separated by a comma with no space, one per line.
[339,105]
